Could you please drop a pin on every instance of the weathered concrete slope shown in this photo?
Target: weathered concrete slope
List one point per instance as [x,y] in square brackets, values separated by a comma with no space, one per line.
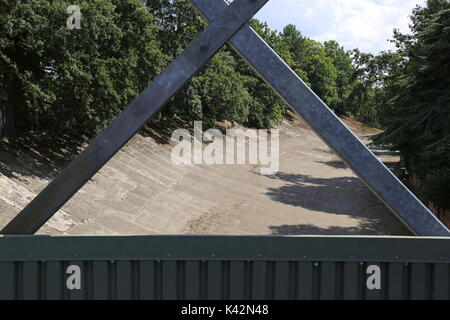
[142,192]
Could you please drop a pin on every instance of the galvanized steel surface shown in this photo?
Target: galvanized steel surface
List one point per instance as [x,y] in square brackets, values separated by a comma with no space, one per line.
[209,267]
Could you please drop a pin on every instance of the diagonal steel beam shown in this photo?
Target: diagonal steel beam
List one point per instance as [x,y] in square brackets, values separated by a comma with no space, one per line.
[329,127]
[138,113]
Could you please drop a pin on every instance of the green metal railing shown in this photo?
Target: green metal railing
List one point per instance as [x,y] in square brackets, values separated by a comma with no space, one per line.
[216,267]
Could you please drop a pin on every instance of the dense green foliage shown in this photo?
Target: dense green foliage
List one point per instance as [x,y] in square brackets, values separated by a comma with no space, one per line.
[419,121]
[60,80]
[56,79]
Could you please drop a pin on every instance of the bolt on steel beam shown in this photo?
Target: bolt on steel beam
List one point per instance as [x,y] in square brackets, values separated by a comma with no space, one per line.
[138,113]
[383,183]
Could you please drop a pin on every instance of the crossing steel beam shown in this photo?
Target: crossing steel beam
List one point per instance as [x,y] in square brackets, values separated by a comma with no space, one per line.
[383,183]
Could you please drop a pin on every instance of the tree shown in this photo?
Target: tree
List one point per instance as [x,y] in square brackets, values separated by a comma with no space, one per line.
[343,63]
[216,94]
[312,64]
[372,86]
[419,124]
[74,81]
[295,43]
[294,39]
[322,74]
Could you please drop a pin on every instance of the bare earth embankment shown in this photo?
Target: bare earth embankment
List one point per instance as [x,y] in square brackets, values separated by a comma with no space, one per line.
[141,191]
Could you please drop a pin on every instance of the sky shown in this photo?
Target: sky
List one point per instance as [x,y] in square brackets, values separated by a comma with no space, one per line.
[363,24]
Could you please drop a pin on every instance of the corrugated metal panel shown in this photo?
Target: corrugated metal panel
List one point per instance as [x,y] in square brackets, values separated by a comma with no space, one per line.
[224,267]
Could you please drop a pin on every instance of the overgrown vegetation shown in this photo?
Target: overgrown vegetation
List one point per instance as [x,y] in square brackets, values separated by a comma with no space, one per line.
[419,119]
[59,81]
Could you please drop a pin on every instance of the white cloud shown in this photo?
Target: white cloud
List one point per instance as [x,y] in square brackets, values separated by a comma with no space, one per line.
[363,24]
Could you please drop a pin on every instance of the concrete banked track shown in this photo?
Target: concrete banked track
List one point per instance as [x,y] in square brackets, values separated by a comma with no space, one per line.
[141,191]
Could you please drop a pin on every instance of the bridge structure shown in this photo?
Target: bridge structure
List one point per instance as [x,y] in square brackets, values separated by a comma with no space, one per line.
[251,257]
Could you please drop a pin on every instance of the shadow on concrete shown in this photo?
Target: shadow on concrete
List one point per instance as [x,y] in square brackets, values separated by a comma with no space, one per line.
[325,151]
[338,196]
[342,195]
[394,166]
[305,229]
[161,130]
[40,155]
[45,156]
[334,164]
[347,196]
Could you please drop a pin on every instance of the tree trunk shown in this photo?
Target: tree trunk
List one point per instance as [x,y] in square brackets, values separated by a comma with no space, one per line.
[7,128]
